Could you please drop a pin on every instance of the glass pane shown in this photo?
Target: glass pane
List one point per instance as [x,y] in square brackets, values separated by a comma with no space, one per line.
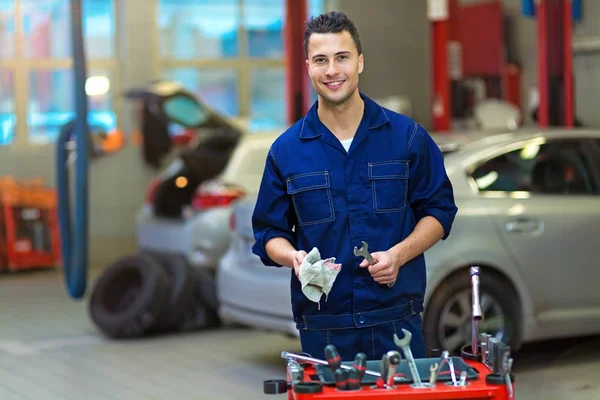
[47,28]
[51,102]
[267,104]
[192,29]
[7,108]
[99,28]
[315,7]
[217,87]
[263,21]
[7,29]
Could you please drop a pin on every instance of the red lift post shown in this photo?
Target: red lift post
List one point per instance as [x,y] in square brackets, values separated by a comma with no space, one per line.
[297,86]
[544,9]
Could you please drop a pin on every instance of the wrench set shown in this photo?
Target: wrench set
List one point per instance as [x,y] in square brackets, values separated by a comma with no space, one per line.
[484,372]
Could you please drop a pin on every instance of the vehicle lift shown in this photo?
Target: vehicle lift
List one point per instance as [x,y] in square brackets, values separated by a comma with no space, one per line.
[457,54]
[483,374]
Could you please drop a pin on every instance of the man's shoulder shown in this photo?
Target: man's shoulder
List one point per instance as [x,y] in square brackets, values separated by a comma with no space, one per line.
[291,136]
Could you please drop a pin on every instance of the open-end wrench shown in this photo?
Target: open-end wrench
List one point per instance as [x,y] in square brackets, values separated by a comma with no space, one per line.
[443,360]
[404,345]
[433,373]
[364,252]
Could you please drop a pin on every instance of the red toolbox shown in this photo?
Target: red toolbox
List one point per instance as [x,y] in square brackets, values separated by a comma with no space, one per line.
[481,374]
[29,236]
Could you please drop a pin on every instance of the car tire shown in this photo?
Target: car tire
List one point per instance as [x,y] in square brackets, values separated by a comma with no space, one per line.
[202,309]
[129,296]
[498,293]
[182,290]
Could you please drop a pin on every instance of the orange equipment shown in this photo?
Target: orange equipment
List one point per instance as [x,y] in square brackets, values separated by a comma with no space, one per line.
[29,235]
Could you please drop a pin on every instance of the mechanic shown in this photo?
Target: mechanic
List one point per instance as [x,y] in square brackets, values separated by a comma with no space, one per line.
[352,171]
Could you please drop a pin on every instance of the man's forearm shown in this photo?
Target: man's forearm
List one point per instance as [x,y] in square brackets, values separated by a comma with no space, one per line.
[281,251]
[427,232]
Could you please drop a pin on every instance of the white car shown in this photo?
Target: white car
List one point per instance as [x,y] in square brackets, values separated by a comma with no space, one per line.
[201,232]
[528,215]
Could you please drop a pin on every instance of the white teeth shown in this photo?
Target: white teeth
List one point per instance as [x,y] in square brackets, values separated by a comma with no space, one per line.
[334,83]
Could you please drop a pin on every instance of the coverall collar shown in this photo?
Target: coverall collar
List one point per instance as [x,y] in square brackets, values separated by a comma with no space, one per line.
[374,117]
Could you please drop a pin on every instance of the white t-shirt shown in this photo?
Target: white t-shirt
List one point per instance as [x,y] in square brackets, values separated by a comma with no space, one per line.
[346,143]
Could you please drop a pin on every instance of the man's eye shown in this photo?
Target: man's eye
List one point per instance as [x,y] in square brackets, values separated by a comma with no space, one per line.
[320,60]
[343,57]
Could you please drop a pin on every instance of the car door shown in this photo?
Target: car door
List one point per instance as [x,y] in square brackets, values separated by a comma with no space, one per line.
[546,207]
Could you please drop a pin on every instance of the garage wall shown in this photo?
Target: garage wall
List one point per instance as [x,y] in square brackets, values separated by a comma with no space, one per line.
[395,39]
[117,182]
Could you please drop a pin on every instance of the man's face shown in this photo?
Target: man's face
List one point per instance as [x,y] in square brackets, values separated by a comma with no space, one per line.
[334,65]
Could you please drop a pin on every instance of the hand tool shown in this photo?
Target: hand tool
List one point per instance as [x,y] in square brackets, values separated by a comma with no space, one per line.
[296,371]
[341,379]
[315,361]
[404,345]
[508,380]
[477,315]
[360,365]
[443,360]
[354,377]
[463,378]
[333,357]
[364,252]
[433,368]
[385,370]
[452,371]
[393,359]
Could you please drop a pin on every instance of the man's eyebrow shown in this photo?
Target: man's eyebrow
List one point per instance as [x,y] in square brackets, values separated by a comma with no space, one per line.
[339,53]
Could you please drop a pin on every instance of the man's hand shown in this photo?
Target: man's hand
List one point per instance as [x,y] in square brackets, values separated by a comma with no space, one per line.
[385,269]
[298,257]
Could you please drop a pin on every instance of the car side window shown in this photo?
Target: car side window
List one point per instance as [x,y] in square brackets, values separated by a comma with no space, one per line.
[556,167]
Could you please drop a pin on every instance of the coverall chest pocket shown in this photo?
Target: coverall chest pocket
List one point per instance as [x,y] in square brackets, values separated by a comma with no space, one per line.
[311,195]
[389,185]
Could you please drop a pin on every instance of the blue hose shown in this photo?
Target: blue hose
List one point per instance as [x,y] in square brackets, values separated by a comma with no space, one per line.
[74,237]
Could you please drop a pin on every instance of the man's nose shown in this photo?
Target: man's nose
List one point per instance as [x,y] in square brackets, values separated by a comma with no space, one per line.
[332,69]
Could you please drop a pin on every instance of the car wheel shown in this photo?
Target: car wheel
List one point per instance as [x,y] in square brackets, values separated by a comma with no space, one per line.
[202,309]
[129,296]
[182,291]
[448,315]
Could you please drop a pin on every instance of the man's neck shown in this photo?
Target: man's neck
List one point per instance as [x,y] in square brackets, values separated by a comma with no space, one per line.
[342,120]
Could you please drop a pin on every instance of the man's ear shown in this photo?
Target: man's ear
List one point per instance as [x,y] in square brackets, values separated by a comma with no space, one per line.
[361,63]
[308,68]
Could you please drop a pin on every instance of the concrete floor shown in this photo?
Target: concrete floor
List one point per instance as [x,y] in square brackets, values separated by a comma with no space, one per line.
[50,350]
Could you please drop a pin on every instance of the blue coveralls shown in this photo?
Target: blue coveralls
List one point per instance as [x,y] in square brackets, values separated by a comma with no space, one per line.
[315,194]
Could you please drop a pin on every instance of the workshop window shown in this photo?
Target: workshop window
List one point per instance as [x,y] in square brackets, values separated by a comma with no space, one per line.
[37,66]
[7,29]
[7,108]
[217,86]
[49,108]
[203,43]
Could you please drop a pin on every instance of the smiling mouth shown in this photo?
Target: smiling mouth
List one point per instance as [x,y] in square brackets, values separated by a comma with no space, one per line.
[333,84]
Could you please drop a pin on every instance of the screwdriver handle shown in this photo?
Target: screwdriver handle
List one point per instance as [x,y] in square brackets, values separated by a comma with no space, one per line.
[333,357]
[341,379]
[360,365]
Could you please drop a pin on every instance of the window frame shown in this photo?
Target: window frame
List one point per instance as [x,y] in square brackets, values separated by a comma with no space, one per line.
[243,63]
[21,66]
[514,146]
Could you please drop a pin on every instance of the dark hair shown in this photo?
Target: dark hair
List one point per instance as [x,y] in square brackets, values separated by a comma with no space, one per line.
[331,22]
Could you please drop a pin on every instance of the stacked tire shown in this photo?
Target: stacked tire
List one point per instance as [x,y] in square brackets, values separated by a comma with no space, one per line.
[152,293]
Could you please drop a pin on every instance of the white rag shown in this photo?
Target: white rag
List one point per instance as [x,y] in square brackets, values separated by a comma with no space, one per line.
[317,276]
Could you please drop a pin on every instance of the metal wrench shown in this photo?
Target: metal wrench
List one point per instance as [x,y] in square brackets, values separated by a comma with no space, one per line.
[364,252]
[433,373]
[404,344]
